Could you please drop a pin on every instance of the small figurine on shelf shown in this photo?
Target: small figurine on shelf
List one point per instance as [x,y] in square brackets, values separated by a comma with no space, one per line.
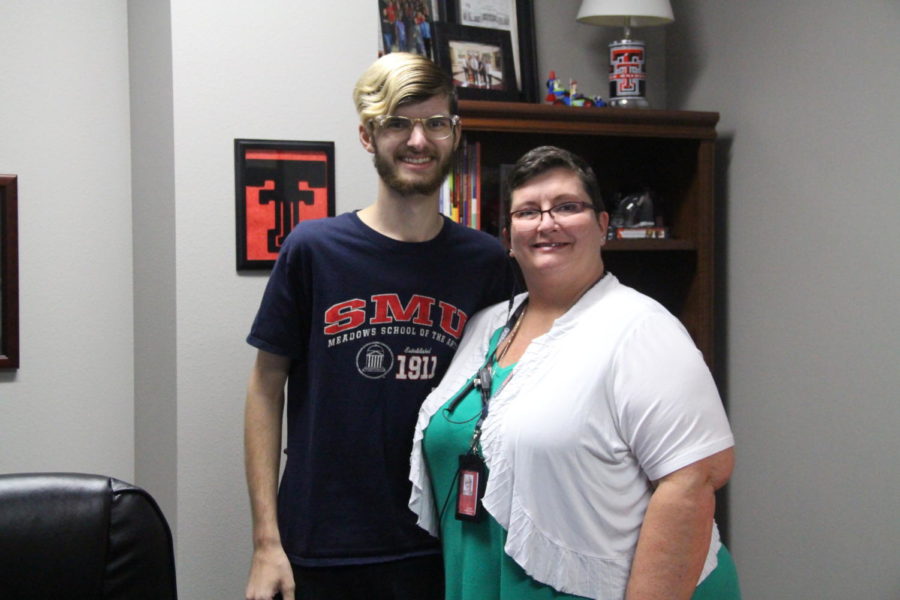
[557,94]
[577,99]
[555,90]
[574,99]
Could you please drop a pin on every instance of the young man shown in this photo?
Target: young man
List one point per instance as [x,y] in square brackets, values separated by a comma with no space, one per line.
[361,316]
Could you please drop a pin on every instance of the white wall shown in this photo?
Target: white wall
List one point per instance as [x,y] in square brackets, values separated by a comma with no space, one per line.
[810,295]
[275,69]
[809,172]
[115,327]
[153,201]
[64,131]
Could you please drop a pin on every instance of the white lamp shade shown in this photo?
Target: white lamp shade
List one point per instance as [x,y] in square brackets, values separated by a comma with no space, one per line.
[642,13]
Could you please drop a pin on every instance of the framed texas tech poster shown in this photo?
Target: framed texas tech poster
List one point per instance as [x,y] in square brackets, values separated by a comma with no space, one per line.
[277,185]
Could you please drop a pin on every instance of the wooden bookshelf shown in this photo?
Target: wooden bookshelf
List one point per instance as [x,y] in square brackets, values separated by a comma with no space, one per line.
[669,152]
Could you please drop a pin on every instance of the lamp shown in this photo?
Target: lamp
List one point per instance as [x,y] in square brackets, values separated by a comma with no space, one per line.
[627,74]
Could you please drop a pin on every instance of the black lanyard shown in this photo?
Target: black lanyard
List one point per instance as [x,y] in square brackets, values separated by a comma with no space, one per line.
[471,476]
[483,382]
[483,379]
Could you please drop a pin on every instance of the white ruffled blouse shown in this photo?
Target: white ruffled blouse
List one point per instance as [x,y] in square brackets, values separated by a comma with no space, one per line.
[614,396]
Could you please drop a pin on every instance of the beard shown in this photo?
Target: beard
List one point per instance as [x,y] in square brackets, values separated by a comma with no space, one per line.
[390,174]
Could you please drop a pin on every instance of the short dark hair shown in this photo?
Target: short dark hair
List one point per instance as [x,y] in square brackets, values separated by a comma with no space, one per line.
[544,158]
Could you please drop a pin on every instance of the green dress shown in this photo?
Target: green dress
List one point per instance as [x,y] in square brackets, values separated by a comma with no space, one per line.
[475,565]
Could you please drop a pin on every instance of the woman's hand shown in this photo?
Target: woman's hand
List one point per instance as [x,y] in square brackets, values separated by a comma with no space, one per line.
[675,534]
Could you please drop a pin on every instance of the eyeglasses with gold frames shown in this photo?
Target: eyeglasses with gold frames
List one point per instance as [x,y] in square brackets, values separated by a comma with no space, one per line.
[437,127]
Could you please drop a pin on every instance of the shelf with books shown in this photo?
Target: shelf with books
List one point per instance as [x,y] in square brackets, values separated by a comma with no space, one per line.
[460,197]
[668,152]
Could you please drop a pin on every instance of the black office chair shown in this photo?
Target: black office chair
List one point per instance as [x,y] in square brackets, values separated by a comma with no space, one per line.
[90,537]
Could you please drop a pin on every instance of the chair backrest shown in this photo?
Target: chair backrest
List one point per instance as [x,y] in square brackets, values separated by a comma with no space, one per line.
[68,535]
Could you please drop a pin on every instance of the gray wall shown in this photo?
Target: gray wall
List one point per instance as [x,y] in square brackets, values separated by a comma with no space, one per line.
[581,52]
[64,120]
[273,69]
[133,316]
[809,184]
[153,217]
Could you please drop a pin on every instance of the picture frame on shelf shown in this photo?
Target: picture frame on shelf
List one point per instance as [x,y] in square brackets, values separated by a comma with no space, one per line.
[9,273]
[479,61]
[407,26]
[513,16]
[277,185]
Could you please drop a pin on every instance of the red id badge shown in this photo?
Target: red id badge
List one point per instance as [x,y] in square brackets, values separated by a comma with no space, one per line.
[470,487]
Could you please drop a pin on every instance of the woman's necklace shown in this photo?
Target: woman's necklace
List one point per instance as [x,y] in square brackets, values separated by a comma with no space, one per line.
[507,342]
[586,290]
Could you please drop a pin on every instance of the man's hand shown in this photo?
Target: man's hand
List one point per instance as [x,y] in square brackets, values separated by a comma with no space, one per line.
[270,574]
[270,570]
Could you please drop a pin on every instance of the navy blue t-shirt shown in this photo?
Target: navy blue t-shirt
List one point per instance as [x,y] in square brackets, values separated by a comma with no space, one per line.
[371,324]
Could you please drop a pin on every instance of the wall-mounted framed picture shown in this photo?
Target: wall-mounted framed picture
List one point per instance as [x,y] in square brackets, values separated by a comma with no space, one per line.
[514,16]
[479,60]
[277,185]
[9,273]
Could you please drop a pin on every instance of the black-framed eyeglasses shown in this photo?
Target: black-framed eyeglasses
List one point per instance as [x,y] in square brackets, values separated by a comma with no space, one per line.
[437,127]
[559,213]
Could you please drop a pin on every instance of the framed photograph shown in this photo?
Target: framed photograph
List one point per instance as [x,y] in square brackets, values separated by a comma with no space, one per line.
[514,16]
[479,61]
[277,185]
[406,26]
[9,273]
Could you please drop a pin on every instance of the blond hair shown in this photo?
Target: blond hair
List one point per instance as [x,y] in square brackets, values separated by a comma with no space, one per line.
[396,79]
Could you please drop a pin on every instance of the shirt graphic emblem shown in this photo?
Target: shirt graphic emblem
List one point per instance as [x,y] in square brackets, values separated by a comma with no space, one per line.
[374,360]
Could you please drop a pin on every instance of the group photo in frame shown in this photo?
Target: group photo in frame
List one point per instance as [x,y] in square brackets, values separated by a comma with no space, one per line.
[9,273]
[426,27]
[277,185]
[407,26]
[479,60]
[515,17]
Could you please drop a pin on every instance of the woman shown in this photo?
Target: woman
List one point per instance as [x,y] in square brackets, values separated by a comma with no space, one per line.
[598,426]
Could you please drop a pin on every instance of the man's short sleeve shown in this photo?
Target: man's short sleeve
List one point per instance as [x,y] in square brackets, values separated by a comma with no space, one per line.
[282,322]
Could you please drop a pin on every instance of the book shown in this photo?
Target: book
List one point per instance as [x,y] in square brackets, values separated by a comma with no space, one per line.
[460,196]
[633,233]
